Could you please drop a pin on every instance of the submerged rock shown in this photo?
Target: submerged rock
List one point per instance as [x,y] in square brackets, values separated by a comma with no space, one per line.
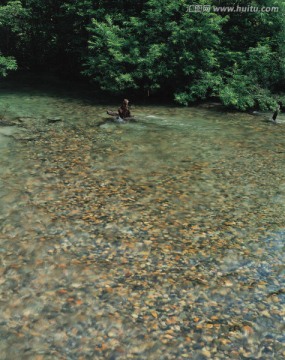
[4,121]
[256,113]
[9,130]
[54,119]
[25,136]
[28,122]
[17,133]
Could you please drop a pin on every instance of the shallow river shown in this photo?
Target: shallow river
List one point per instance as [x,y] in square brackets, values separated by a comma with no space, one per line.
[157,239]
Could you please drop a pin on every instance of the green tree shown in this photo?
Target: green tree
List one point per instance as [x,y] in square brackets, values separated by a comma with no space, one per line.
[152,46]
[7,64]
[11,15]
[161,48]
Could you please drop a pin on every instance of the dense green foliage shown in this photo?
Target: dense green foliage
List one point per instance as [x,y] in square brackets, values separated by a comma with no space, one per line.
[152,46]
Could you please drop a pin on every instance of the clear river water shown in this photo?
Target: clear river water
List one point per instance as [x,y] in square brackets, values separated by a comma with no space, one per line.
[161,238]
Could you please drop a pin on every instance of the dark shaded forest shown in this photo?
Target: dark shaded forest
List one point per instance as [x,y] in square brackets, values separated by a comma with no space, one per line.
[152,47]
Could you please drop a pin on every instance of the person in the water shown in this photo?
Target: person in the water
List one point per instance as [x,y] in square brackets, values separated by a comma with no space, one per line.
[276,112]
[123,111]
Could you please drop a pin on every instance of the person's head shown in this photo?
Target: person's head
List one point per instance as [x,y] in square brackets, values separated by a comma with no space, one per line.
[126,102]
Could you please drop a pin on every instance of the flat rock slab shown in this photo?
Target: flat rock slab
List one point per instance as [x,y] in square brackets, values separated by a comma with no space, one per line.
[10,130]
[17,133]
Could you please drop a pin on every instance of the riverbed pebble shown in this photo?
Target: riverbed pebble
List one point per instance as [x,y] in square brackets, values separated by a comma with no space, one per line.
[104,261]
